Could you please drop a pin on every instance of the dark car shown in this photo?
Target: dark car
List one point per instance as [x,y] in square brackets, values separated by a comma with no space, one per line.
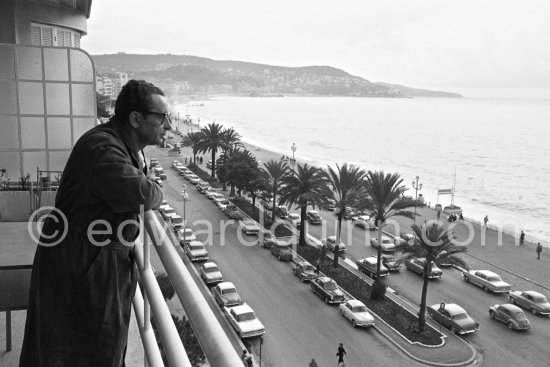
[328,290]
[417,266]
[232,212]
[281,251]
[390,262]
[369,266]
[531,300]
[453,317]
[266,239]
[313,217]
[305,271]
[511,315]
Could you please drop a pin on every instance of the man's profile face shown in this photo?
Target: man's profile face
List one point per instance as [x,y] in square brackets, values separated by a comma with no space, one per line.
[153,126]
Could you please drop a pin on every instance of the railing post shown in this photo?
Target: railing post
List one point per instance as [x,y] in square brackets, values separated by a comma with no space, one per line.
[146,305]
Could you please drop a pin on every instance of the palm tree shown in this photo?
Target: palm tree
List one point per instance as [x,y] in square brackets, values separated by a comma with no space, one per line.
[302,187]
[385,200]
[434,243]
[241,166]
[212,140]
[346,189]
[231,140]
[193,140]
[274,172]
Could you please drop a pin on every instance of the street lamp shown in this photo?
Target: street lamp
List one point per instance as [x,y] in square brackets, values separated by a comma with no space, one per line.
[184,195]
[416,186]
[293,148]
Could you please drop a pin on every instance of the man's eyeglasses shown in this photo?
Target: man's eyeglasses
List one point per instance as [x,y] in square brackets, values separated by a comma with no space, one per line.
[166,116]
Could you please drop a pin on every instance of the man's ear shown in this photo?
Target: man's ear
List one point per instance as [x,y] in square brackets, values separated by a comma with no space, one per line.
[135,119]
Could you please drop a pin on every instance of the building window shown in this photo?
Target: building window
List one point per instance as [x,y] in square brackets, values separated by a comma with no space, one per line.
[45,35]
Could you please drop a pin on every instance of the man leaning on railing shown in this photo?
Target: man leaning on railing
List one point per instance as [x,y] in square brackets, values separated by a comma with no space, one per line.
[84,275]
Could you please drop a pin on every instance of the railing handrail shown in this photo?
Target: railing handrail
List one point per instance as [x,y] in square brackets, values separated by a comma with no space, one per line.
[212,338]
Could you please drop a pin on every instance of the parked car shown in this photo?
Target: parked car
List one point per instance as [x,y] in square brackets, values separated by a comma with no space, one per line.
[250,227]
[210,273]
[294,219]
[153,162]
[390,262]
[511,315]
[369,265]
[226,295]
[409,237]
[387,243]
[196,251]
[215,195]
[533,301]
[222,204]
[453,317]
[328,290]
[168,213]
[330,243]
[313,217]
[266,239]
[364,222]
[357,313]
[186,235]
[281,211]
[175,164]
[203,186]
[231,211]
[304,271]
[489,281]
[417,266]
[244,321]
[177,222]
[281,251]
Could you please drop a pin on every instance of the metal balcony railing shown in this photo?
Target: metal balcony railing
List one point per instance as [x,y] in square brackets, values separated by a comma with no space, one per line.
[214,342]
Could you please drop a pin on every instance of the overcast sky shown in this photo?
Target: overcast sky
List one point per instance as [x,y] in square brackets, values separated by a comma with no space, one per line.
[422,43]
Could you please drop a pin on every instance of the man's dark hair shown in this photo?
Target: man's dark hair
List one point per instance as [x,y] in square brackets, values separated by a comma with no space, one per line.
[134,96]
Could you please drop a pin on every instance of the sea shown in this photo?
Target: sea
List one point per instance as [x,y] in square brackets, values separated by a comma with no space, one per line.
[494,152]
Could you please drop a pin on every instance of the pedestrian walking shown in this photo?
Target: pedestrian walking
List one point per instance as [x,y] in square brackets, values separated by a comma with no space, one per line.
[521,238]
[249,361]
[244,355]
[341,353]
[313,363]
[485,221]
[317,266]
[539,250]
[438,214]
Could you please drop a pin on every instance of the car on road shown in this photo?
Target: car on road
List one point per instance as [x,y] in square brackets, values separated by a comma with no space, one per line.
[281,211]
[266,239]
[533,301]
[226,295]
[313,217]
[231,212]
[294,219]
[330,243]
[222,203]
[203,186]
[281,251]
[168,213]
[196,251]
[453,317]
[194,179]
[244,321]
[368,266]
[409,237]
[186,235]
[364,222]
[486,279]
[327,289]
[390,262]
[210,273]
[304,271]
[387,243]
[177,222]
[511,315]
[249,227]
[417,265]
[357,313]
[153,162]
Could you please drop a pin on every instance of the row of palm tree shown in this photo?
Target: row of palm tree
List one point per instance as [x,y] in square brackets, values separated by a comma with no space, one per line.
[346,186]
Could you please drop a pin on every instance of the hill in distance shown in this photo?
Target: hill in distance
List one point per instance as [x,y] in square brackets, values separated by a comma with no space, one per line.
[184,74]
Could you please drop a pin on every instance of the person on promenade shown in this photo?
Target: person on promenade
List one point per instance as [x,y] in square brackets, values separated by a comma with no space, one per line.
[539,250]
[84,275]
[313,363]
[341,353]
[244,355]
[485,221]
[521,238]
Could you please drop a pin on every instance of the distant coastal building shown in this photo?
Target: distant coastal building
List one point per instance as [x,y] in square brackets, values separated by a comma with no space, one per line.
[111,84]
[47,84]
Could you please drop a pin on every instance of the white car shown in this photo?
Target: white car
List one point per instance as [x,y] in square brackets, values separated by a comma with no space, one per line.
[168,213]
[194,180]
[330,243]
[244,321]
[215,195]
[223,204]
[226,295]
[219,199]
[177,222]
[387,243]
[210,273]
[357,313]
[186,235]
[195,251]
[294,219]
[211,191]
[364,222]
[249,227]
